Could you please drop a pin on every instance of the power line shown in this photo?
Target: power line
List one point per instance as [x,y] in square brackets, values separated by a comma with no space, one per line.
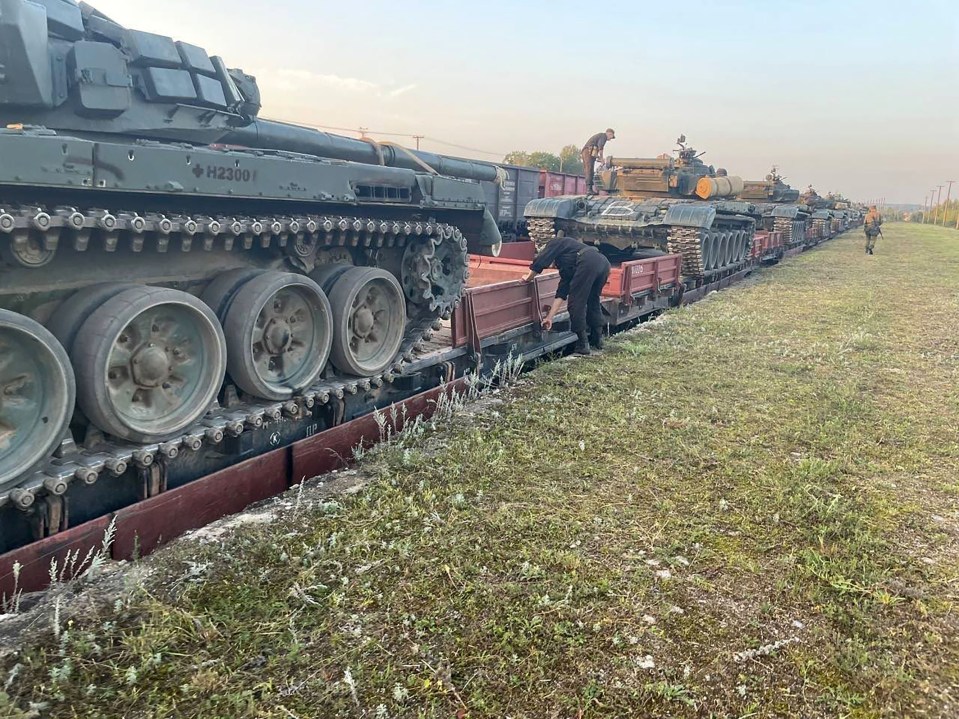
[365,132]
[464,147]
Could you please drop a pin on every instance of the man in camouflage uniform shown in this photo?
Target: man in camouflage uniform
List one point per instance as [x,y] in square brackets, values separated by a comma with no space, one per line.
[872,225]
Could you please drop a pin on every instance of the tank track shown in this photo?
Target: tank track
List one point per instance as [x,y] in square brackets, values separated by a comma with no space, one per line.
[541,230]
[821,227]
[687,242]
[784,225]
[35,232]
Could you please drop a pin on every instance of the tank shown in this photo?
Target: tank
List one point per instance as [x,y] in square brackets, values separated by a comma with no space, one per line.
[830,214]
[777,207]
[166,253]
[655,205]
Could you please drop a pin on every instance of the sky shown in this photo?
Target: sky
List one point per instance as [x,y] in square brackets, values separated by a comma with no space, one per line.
[856,97]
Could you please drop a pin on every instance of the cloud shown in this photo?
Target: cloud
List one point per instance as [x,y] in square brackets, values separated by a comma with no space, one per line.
[401,90]
[292,80]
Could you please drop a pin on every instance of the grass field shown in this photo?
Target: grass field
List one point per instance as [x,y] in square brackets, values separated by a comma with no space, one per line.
[749,508]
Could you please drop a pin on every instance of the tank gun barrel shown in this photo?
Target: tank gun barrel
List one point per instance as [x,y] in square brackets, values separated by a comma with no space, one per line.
[272,135]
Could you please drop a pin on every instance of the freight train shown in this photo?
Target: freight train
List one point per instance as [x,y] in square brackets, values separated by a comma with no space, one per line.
[185,287]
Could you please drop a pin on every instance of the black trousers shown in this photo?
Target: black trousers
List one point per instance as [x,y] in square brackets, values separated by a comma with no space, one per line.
[585,310]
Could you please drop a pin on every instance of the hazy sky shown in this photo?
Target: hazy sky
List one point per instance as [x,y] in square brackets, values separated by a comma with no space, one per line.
[860,97]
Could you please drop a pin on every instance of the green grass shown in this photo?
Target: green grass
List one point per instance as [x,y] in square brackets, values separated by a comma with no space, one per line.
[749,508]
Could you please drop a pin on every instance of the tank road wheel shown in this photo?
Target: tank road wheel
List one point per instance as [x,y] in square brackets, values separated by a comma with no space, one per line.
[220,292]
[279,332]
[37,391]
[65,322]
[327,275]
[736,246]
[369,319]
[722,258]
[149,363]
[709,250]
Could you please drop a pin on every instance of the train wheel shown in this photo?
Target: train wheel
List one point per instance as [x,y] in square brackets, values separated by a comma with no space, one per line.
[149,363]
[37,392]
[279,333]
[220,292]
[65,322]
[369,319]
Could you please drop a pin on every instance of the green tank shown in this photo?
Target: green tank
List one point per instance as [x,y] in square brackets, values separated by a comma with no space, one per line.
[655,205]
[174,268]
[778,207]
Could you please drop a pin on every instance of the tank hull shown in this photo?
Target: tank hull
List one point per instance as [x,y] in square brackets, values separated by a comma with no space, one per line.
[713,237]
[78,215]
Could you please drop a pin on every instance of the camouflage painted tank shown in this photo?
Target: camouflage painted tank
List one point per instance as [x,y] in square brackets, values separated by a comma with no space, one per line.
[164,254]
[659,204]
[778,207]
[830,214]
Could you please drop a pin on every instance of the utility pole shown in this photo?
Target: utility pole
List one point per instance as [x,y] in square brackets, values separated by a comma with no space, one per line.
[935,219]
[925,212]
[946,206]
[363,131]
[418,138]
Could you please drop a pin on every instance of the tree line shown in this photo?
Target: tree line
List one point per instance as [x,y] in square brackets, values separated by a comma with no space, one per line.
[568,160]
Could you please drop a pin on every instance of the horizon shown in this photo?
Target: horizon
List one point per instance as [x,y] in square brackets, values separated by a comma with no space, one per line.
[848,97]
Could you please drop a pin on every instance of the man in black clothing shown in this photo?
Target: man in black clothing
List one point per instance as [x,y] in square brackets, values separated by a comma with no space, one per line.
[582,273]
[593,150]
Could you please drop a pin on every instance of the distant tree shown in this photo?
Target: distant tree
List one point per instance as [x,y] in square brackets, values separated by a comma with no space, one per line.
[567,161]
[544,160]
[570,160]
[517,157]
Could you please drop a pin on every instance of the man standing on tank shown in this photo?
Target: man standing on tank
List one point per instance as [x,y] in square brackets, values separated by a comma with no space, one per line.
[593,150]
[873,227]
[582,273]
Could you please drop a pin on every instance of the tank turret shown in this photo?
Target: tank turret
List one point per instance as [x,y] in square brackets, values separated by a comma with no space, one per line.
[70,68]
[683,176]
[654,205]
[770,189]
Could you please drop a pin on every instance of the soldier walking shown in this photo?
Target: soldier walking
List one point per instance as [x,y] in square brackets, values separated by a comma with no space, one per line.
[593,150]
[872,226]
[583,272]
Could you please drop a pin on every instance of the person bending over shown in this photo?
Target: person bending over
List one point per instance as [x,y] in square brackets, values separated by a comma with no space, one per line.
[583,271]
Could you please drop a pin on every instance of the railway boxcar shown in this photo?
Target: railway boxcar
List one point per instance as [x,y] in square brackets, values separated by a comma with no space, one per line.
[508,197]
